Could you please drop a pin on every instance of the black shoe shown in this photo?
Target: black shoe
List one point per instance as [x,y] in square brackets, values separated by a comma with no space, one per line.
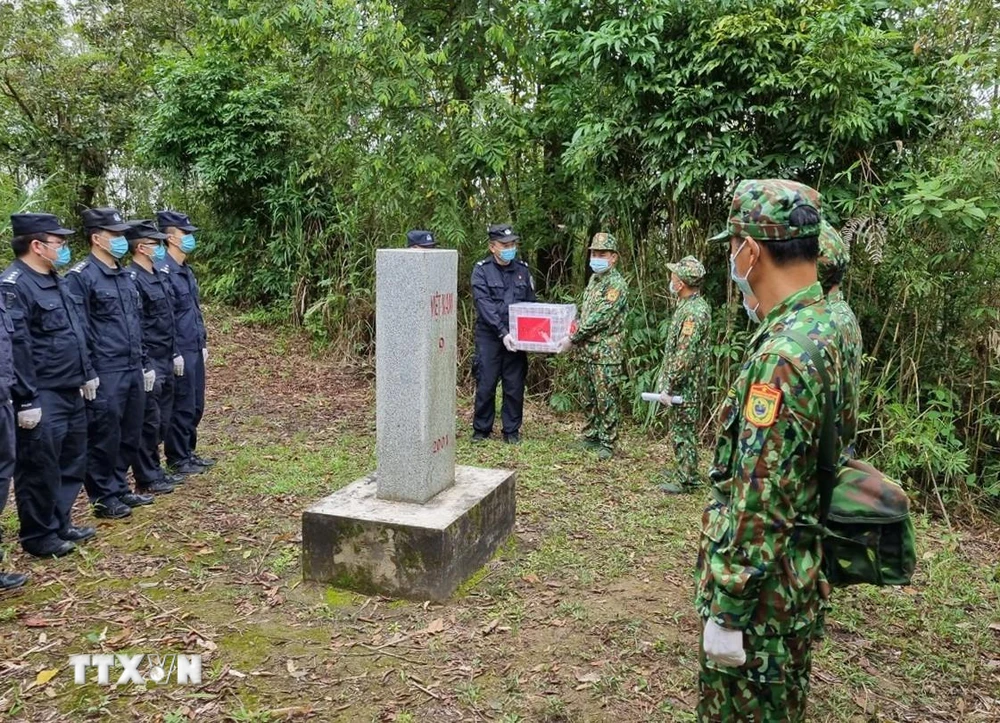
[160,487]
[77,534]
[512,438]
[112,509]
[187,467]
[12,580]
[479,438]
[175,479]
[51,546]
[133,499]
[206,462]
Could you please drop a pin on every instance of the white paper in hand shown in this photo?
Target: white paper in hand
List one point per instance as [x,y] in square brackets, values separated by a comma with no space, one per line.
[654,397]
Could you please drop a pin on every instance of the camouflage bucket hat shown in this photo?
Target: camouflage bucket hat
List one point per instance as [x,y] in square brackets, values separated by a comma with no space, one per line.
[762,209]
[833,252]
[604,242]
[689,270]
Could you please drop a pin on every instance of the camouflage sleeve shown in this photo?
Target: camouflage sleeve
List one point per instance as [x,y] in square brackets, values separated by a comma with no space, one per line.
[693,333]
[777,420]
[604,314]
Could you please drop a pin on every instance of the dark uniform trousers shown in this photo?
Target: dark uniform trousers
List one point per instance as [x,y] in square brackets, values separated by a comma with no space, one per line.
[181,436]
[494,363]
[8,424]
[51,464]
[114,425]
[155,421]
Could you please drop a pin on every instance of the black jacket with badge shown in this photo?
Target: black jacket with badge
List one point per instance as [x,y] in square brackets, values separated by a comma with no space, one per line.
[49,340]
[111,313]
[495,288]
[156,295]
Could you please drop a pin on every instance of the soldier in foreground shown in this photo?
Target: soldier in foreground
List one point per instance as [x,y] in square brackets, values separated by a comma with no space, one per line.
[759,580]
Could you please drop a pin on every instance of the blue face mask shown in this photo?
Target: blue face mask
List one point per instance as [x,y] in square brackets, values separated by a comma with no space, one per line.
[62,256]
[118,247]
[508,255]
[751,312]
[742,282]
[599,266]
[159,253]
[187,243]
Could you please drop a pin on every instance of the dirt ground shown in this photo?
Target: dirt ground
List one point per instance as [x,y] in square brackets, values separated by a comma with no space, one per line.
[585,614]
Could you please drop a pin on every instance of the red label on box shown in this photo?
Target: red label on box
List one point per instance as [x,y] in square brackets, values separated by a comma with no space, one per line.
[534,328]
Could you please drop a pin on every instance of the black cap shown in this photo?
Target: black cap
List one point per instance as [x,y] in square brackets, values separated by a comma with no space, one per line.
[105,218]
[143,229]
[417,237]
[502,232]
[166,219]
[23,224]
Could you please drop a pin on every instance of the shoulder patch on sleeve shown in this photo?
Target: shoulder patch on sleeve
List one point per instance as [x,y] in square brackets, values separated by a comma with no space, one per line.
[763,404]
[612,294]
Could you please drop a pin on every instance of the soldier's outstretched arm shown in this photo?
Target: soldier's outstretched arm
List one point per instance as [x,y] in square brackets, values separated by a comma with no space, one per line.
[776,424]
[612,306]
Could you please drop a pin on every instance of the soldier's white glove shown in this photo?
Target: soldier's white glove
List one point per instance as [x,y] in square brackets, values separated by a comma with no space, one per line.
[508,341]
[29,418]
[204,354]
[723,647]
[179,365]
[565,344]
[89,390]
[148,380]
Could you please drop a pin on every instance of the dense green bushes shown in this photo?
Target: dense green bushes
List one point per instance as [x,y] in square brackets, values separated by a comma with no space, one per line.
[303,136]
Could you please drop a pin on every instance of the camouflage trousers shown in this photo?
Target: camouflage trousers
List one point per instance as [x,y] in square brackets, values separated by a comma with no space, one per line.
[603,387]
[682,427]
[761,691]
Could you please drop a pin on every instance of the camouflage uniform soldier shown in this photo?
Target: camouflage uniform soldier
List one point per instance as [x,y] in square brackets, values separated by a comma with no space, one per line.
[834,258]
[683,371]
[601,334]
[759,582]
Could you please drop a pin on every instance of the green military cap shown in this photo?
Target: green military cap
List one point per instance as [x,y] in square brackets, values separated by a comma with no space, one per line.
[762,209]
[689,270]
[833,252]
[604,242]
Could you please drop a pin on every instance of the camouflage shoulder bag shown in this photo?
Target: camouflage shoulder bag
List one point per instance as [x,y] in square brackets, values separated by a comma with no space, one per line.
[868,532]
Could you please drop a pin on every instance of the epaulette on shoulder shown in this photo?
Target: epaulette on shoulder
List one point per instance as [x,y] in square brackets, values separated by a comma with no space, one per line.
[11,276]
[164,269]
[80,266]
[480,263]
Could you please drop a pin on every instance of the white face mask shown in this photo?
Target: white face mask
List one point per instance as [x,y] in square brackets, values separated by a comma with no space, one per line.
[675,289]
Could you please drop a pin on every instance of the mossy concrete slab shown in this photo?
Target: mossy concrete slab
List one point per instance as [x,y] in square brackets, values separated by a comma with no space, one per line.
[354,540]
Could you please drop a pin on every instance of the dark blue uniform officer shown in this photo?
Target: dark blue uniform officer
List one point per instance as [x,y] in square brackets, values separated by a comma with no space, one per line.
[8,580]
[181,440]
[114,333]
[156,297]
[52,371]
[498,281]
